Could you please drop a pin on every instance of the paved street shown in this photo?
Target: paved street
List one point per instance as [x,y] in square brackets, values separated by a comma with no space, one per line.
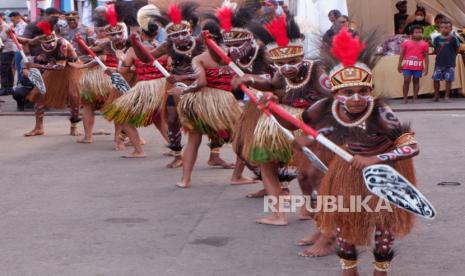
[74,209]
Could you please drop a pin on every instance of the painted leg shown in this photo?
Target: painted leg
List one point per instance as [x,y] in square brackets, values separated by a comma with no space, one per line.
[74,109]
[174,137]
[237,177]
[348,256]
[39,125]
[119,138]
[383,252]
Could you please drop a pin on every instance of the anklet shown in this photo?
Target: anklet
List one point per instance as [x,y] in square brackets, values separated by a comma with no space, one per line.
[382,266]
[348,264]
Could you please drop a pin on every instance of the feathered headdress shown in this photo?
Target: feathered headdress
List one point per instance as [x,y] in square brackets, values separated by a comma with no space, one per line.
[287,39]
[233,22]
[179,17]
[48,35]
[353,60]
[111,16]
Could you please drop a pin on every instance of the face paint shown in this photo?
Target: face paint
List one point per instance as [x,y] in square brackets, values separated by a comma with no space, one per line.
[289,69]
[239,52]
[325,82]
[49,46]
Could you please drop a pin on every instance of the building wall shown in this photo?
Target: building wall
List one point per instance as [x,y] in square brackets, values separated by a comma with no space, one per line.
[13,5]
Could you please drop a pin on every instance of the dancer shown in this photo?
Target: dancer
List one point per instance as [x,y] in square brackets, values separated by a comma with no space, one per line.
[181,47]
[142,105]
[371,132]
[207,106]
[96,87]
[61,79]
[298,82]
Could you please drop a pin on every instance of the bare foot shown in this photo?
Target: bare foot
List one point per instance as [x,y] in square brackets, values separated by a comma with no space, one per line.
[119,146]
[309,240]
[405,101]
[436,99]
[274,219]
[128,142]
[243,181]
[74,131]
[447,99]
[176,163]
[216,161]
[135,155]
[304,214]
[183,184]
[322,247]
[258,194]
[84,141]
[34,132]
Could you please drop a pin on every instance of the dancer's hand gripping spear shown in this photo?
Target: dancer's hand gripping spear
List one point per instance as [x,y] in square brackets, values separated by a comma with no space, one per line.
[381,180]
[117,80]
[34,74]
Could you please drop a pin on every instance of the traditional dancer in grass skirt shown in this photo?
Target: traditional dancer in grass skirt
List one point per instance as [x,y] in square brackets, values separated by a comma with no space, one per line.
[143,104]
[374,135]
[181,47]
[249,55]
[207,106]
[61,79]
[298,82]
[96,87]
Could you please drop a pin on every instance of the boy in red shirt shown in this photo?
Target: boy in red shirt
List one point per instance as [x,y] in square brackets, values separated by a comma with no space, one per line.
[413,61]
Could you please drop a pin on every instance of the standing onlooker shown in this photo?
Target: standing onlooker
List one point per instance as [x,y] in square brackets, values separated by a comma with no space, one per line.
[19,28]
[6,60]
[446,47]
[341,21]
[420,20]
[413,61]
[333,15]
[430,32]
[73,27]
[400,18]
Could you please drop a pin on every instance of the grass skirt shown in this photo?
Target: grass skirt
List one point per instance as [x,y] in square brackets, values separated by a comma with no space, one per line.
[60,86]
[269,144]
[210,111]
[357,227]
[138,107]
[244,129]
[96,87]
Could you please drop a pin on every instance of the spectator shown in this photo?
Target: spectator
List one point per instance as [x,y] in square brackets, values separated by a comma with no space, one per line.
[73,27]
[333,15]
[413,61]
[446,47]
[420,20]
[6,60]
[400,18]
[430,32]
[341,21]
[21,91]
[2,17]
[19,28]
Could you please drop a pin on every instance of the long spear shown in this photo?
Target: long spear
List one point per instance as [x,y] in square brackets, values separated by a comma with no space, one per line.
[382,180]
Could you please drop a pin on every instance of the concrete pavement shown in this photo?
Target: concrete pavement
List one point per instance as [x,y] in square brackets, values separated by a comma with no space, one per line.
[74,209]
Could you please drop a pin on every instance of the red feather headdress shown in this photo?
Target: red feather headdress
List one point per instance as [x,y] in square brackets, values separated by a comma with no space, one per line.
[177,24]
[278,29]
[224,15]
[283,47]
[45,27]
[347,48]
[111,16]
[174,13]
